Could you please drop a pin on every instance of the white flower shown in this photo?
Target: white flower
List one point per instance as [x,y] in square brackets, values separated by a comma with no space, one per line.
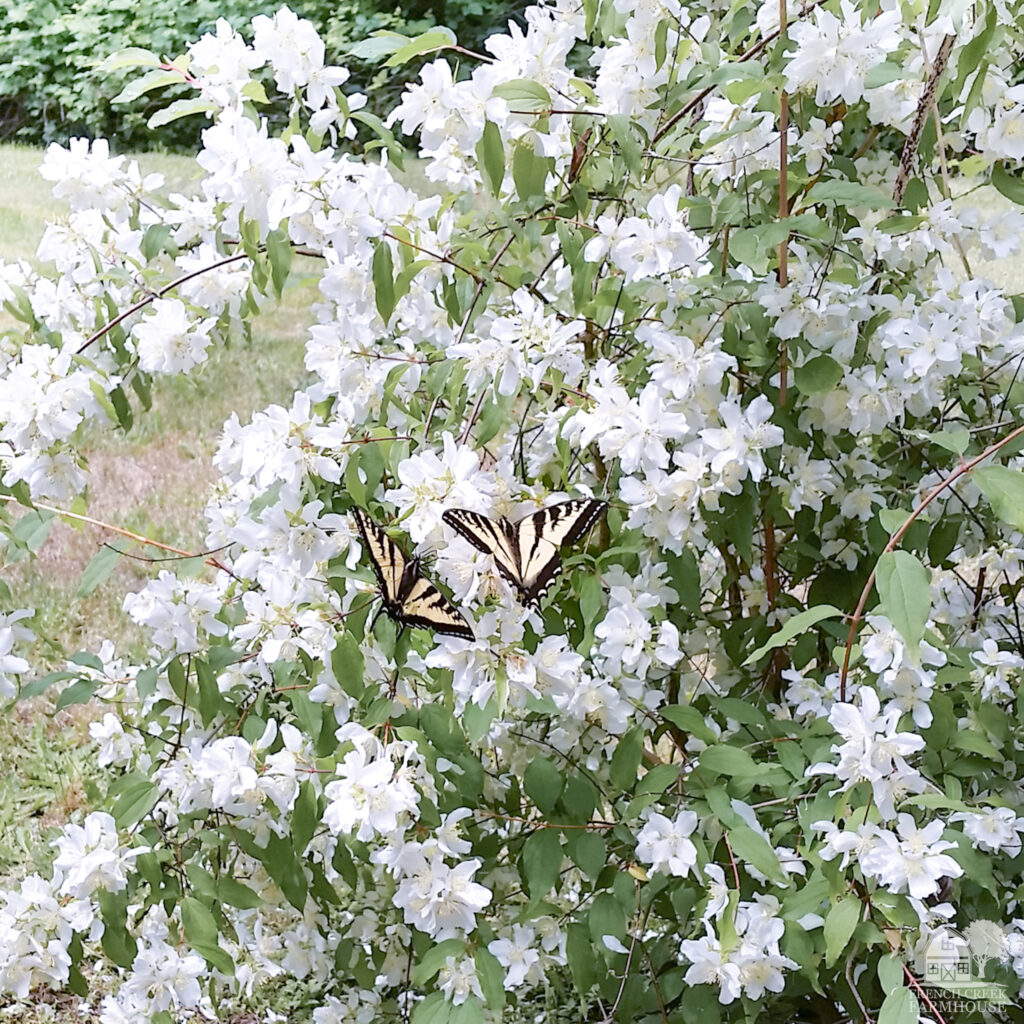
[437,899]
[368,796]
[432,480]
[994,829]
[664,843]
[11,664]
[833,54]
[711,967]
[516,955]
[874,751]
[913,863]
[458,981]
[168,341]
[90,857]
[290,45]
[116,746]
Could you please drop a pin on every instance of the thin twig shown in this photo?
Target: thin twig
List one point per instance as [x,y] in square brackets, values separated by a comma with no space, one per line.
[159,294]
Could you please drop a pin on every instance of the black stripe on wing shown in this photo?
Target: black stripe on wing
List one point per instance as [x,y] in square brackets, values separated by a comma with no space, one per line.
[408,597]
[540,537]
[527,553]
[427,607]
[386,557]
[494,538]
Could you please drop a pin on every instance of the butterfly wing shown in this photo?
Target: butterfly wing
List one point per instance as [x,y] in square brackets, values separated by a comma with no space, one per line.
[409,598]
[386,558]
[425,606]
[493,537]
[540,536]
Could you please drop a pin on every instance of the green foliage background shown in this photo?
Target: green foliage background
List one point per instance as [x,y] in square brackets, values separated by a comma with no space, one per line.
[50,89]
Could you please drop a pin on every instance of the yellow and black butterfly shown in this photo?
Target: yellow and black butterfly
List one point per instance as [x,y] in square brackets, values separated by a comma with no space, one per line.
[526,552]
[408,596]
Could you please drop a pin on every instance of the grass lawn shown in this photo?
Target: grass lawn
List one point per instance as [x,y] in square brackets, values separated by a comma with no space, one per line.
[153,481]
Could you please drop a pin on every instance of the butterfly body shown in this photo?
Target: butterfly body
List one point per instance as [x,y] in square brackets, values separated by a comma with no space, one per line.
[407,596]
[526,552]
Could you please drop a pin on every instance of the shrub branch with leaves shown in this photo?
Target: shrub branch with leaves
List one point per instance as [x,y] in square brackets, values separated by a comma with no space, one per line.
[707,268]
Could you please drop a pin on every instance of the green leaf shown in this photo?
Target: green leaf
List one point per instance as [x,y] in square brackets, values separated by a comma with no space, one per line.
[435,1009]
[43,683]
[116,940]
[899,1007]
[253,90]
[892,519]
[890,973]
[284,868]
[383,280]
[77,693]
[523,94]
[529,171]
[752,848]
[469,1012]
[201,932]
[542,862]
[543,783]
[904,586]
[900,224]
[435,39]
[606,917]
[723,759]
[177,677]
[199,922]
[840,922]
[152,80]
[1004,488]
[622,131]
[579,955]
[87,660]
[209,692]
[658,779]
[134,803]
[304,816]
[279,252]
[794,627]
[236,894]
[817,375]
[31,529]
[433,960]
[848,193]
[490,155]
[625,766]
[381,130]
[378,45]
[883,74]
[1009,185]
[588,852]
[347,665]
[953,439]
[689,719]
[179,109]
[591,598]
[133,57]
[973,741]
[491,978]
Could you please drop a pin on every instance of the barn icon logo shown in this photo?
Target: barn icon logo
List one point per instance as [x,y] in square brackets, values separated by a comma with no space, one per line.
[952,966]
